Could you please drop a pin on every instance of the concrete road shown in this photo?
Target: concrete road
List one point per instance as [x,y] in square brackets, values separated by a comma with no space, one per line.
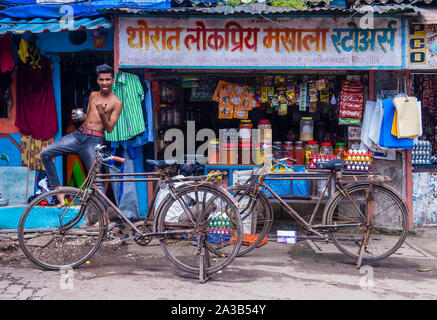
[274,271]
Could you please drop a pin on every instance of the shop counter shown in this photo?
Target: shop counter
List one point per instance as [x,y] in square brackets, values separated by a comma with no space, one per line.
[288,188]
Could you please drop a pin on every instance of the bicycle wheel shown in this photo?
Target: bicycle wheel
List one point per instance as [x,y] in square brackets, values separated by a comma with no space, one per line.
[213,234]
[56,238]
[390,223]
[256,216]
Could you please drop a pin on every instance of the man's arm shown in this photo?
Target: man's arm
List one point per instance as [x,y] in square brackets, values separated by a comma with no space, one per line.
[109,120]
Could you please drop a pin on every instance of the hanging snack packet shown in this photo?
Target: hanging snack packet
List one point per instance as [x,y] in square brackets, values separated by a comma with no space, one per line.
[240,114]
[324,96]
[270,92]
[221,84]
[226,109]
[283,108]
[264,94]
[237,94]
[291,96]
[312,107]
[321,85]
[247,103]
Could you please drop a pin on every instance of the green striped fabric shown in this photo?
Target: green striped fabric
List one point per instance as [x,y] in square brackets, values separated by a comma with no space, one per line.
[127,87]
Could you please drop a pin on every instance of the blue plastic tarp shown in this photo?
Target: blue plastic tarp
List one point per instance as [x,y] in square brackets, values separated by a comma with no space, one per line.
[79,9]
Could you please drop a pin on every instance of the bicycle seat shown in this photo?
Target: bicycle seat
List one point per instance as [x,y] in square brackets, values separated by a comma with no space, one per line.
[335,164]
[161,163]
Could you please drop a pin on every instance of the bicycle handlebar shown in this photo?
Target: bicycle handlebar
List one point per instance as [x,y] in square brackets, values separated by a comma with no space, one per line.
[99,154]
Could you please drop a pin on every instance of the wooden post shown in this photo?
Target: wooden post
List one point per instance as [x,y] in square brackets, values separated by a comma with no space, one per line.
[372,96]
[408,164]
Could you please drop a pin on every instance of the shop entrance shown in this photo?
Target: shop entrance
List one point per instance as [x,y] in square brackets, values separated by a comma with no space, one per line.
[78,80]
[288,100]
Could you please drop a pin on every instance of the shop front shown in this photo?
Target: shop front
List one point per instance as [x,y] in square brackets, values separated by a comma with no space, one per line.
[422,62]
[303,81]
[50,74]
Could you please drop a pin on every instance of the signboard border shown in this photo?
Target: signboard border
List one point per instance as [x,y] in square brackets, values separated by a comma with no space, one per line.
[402,66]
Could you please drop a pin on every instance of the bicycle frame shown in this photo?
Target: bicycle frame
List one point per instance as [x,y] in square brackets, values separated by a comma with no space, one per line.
[333,179]
[96,177]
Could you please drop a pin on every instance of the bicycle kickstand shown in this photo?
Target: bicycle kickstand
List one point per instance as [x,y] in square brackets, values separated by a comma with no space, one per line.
[363,244]
[204,254]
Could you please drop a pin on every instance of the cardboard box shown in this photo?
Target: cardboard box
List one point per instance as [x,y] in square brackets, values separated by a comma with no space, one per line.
[285,236]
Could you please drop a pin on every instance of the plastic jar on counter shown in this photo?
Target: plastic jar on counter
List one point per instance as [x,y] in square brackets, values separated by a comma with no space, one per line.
[299,153]
[311,147]
[288,149]
[228,153]
[245,132]
[326,148]
[213,152]
[306,129]
[265,132]
[340,148]
[277,149]
[245,153]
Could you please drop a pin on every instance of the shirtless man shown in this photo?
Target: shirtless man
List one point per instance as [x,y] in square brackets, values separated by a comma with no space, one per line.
[103,111]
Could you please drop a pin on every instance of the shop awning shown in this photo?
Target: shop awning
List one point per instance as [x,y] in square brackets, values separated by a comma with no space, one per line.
[262,8]
[428,16]
[79,9]
[38,25]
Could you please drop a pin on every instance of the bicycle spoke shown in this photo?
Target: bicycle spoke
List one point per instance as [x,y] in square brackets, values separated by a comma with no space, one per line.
[388,226]
[54,237]
[211,210]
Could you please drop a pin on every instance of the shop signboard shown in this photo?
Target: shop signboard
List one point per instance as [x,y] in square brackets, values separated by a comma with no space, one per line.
[289,42]
[422,46]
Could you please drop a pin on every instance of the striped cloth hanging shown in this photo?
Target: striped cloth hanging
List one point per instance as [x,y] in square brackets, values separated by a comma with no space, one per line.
[127,87]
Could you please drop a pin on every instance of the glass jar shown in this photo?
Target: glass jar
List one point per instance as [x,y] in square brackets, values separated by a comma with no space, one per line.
[245,153]
[340,148]
[265,138]
[326,148]
[170,115]
[311,147]
[299,153]
[228,153]
[306,129]
[163,114]
[245,132]
[161,142]
[213,152]
[288,149]
[265,132]
[176,117]
[277,149]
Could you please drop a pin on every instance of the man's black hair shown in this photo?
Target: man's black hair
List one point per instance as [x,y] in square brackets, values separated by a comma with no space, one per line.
[104,68]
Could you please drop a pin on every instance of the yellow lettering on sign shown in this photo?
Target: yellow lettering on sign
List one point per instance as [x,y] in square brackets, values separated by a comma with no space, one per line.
[417,45]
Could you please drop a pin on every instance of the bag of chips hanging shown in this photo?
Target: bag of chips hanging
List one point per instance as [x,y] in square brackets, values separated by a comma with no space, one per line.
[226,109]
[221,84]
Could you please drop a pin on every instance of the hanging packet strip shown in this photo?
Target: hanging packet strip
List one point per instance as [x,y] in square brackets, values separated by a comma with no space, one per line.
[303,97]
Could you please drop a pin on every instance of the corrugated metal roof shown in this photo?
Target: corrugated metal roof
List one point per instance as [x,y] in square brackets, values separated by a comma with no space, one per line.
[262,8]
[38,25]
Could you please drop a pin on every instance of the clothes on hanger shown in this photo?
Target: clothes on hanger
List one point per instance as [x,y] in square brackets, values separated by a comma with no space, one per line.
[30,150]
[36,109]
[29,54]
[127,87]
[7,62]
